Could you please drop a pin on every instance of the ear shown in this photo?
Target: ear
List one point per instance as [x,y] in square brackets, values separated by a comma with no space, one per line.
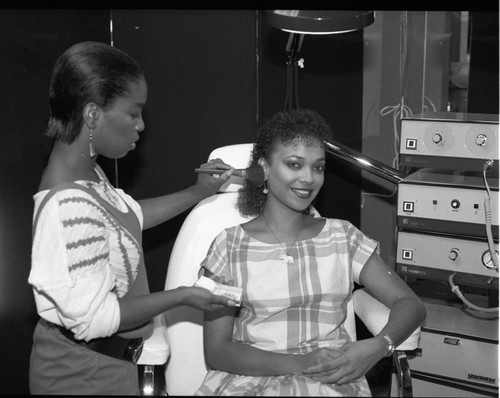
[263,163]
[90,114]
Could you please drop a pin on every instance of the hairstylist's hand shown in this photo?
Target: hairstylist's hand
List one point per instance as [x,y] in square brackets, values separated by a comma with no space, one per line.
[202,299]
[346,364]
[209,184]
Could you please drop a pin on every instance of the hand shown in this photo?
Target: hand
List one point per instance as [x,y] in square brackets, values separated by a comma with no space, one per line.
[346,364]
[209,184]
[202,299]
[318,357]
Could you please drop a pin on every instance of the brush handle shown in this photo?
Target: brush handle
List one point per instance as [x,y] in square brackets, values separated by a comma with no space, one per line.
[210,171]
[236,172]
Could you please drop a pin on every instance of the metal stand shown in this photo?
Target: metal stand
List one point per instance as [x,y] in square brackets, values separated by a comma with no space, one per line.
[292,71]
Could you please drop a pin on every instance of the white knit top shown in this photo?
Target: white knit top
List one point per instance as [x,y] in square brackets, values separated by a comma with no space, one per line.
[82,260]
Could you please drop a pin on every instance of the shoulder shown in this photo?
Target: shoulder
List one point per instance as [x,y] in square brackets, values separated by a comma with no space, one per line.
[63,201]
[337,225]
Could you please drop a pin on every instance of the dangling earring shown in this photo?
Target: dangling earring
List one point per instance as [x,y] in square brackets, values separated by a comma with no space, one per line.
[265,190]
[92,152]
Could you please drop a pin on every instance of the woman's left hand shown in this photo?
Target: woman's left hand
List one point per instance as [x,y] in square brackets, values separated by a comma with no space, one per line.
[209,184]
[354,361]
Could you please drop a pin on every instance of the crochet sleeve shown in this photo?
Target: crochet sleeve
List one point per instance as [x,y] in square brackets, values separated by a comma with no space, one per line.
[70,272]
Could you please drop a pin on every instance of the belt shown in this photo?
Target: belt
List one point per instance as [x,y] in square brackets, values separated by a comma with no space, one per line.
[113,346]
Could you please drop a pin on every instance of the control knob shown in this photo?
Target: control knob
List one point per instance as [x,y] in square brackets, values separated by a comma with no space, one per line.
[481,140]
[437,138]
[453,254]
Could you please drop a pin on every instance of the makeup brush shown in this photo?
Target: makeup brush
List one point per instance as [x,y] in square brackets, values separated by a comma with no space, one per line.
[253,174]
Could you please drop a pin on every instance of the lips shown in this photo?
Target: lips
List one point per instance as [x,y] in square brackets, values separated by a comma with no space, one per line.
[302,193]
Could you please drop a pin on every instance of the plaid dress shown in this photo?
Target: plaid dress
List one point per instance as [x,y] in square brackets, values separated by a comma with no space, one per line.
[291,308]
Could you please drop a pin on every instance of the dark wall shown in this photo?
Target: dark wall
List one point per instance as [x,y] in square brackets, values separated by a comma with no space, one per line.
[201,73]
[30,42]
[331,83]
[483,94]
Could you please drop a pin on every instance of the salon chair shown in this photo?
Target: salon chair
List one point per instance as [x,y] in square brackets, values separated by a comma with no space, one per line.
[186,367]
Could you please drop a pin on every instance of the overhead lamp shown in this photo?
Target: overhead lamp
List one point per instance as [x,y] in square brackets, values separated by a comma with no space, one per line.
[319,22]
[324,22]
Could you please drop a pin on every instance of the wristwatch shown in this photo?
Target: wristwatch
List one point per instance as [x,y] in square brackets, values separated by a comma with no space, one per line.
[390,347]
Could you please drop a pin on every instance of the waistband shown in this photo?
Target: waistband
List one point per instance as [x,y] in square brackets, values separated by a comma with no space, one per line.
[113,346]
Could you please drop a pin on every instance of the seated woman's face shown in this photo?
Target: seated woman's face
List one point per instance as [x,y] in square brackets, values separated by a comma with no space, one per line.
[296,174]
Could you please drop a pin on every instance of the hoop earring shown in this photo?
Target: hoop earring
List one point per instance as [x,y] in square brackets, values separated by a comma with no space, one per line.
[265,190]
[92,151]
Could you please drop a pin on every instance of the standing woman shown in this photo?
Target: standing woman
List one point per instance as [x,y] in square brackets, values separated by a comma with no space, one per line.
[87,272]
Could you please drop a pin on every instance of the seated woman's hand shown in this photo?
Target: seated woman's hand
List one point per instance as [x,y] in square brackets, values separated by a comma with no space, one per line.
[318,357]
[346,364]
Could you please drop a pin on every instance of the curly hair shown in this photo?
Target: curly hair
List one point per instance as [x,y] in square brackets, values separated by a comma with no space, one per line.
[283,128]
[86,72]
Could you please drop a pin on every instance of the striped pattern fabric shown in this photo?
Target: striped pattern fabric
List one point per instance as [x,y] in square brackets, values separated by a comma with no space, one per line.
[291,308]
[83,260]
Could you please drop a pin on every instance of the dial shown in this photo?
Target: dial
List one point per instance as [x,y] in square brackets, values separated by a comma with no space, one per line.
[487,260]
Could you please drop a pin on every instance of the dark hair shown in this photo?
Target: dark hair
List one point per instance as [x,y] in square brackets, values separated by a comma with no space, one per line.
[283,128]
[86,72]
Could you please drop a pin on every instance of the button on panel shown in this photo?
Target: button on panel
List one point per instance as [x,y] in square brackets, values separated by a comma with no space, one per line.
[411,143]
[407,254]
[408,206]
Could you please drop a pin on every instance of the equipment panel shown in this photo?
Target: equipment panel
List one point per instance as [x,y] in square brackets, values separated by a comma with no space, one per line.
[449,140]
[433,256]
[445,202]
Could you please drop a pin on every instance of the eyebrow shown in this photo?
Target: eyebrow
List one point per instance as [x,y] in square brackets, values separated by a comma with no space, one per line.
[323,159]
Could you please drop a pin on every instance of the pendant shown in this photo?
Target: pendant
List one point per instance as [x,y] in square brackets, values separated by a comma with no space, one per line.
[286,258]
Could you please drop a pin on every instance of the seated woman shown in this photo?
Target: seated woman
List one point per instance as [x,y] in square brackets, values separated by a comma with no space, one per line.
[297,272]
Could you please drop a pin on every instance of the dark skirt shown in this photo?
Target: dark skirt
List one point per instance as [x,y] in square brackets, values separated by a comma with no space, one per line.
[59,366]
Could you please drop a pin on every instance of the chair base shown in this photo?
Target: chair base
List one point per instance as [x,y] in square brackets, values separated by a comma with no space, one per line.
[152,380]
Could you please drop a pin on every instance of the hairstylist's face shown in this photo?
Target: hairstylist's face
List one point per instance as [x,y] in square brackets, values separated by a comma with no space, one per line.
[118,131]
[296,174]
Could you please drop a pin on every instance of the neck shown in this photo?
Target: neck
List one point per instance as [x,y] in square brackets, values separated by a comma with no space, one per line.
[285,228]
[67,163]
[73,155]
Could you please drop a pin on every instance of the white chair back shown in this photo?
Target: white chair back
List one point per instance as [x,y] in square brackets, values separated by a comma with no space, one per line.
[186,367]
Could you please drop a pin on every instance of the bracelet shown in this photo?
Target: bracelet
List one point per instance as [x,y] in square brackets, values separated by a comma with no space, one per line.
[390,347]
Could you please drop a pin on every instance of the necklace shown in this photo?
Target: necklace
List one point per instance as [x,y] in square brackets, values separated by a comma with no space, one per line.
[287,257]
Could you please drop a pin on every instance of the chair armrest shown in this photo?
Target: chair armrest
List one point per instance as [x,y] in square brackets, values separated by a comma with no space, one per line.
[403,374]
[374,315]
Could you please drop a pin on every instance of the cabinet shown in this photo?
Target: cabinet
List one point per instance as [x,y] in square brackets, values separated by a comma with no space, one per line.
[447,230]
